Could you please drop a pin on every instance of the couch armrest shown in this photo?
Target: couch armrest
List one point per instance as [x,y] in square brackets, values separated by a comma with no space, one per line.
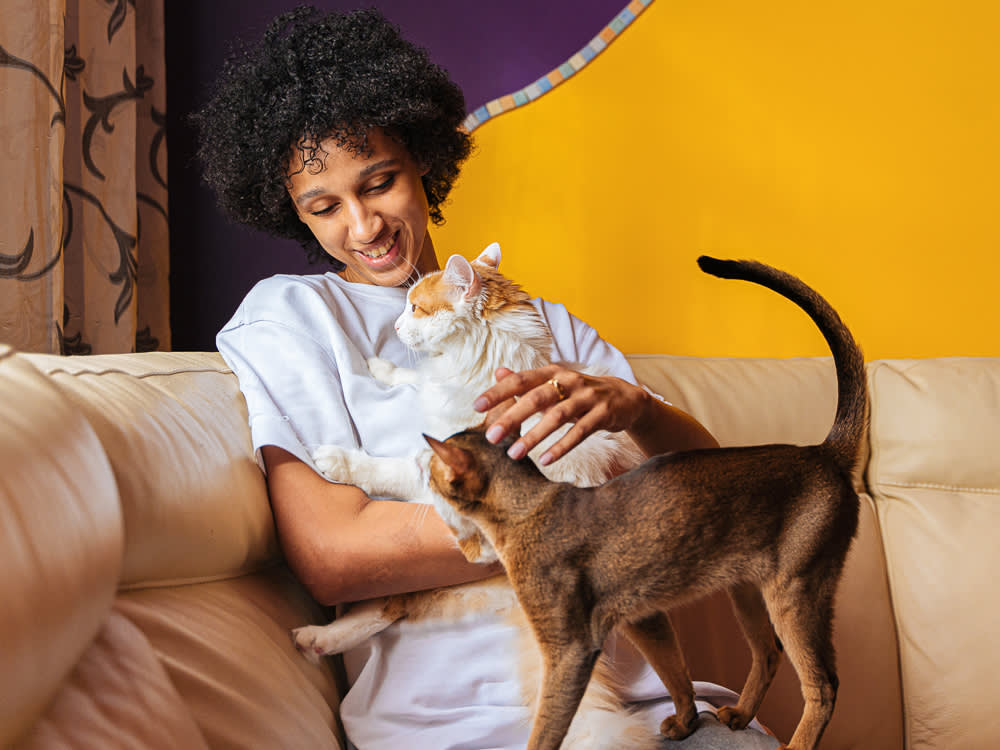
[61,536]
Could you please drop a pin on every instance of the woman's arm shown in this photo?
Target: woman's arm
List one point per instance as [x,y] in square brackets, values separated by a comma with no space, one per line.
[344,546]
[590,403]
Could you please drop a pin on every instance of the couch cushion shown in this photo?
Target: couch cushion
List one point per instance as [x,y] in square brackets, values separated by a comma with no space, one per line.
[935,477]
[227,648]
[118,696]
[174,426]
[61,535]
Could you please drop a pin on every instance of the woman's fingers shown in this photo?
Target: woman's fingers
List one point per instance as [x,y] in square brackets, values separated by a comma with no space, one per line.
[535,394]
[562,396]
[557,415]
[577,432]
[512,384]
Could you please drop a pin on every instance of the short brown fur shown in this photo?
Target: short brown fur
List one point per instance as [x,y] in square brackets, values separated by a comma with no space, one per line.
[771,524]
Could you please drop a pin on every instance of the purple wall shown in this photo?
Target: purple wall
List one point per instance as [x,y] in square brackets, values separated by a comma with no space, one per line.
[490,49]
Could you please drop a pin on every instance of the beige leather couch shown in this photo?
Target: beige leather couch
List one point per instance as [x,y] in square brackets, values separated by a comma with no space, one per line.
[146,605]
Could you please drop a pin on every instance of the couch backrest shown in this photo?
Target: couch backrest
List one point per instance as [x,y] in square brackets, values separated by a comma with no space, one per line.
[935,476]
[159,410]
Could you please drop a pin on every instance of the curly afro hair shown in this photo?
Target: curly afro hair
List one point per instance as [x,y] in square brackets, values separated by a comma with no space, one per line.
[314,76]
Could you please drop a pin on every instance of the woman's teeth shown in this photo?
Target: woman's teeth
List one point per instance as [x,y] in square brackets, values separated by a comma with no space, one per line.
[379,251]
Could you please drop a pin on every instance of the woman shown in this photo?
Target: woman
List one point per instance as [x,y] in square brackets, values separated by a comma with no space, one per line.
[336,132]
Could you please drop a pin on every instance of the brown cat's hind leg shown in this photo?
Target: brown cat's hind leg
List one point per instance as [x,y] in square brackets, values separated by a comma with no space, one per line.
[655,638]
[751,613]
[566,675]
[803,618]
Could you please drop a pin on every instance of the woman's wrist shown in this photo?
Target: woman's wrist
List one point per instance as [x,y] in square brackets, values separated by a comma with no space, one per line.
[663,428]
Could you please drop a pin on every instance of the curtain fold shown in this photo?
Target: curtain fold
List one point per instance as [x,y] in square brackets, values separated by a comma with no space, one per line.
[84,252]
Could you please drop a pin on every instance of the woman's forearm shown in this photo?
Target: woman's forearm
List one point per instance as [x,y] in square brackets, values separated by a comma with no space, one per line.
[344,546]
[589,403]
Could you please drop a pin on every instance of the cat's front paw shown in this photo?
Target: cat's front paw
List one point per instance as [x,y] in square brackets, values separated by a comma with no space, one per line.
[381,369]
[477,549]
[733,718]
[334,462]
[310,641]
[678,727]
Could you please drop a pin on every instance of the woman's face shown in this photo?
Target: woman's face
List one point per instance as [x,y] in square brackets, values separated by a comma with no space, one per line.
[368,211]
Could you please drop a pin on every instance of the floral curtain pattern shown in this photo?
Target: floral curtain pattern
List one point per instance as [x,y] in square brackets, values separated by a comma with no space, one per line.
[84,256]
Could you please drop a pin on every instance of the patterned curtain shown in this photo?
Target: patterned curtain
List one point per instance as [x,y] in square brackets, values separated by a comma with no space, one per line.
[83,222]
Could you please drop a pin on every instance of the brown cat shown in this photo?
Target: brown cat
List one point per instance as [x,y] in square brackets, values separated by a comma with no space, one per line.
[771,524]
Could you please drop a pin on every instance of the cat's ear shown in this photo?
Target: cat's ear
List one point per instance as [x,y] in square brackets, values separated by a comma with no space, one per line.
[459,272]
[457,460]
[490,256]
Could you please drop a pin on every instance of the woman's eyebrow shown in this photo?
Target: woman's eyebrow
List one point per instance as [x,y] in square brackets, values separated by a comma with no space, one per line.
[299,200]
[378,165]
[319,190]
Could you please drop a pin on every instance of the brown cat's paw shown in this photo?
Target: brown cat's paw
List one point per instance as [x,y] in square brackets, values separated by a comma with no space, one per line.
[677,727]
[732,718]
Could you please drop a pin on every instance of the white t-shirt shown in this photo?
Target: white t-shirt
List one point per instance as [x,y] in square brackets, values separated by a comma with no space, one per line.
[299,346]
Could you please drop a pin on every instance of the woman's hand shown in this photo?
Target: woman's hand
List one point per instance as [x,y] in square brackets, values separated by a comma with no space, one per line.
[589,403]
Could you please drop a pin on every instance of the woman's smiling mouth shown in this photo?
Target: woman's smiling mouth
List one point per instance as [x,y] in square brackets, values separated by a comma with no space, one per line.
[378,252]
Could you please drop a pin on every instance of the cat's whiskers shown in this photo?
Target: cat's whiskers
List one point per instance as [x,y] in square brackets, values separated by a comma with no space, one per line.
[420,516]
[412,277]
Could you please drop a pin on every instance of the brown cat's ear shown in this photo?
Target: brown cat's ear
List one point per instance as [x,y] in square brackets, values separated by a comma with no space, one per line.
[490,256]
[459,272]
[458,460]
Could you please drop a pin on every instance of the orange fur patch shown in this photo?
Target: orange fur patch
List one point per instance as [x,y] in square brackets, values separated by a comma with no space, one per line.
[429,297]
[501,292]
[456,602]
[430,294]
[471,547]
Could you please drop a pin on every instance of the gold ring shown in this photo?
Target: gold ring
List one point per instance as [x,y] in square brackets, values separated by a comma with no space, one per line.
[559,389]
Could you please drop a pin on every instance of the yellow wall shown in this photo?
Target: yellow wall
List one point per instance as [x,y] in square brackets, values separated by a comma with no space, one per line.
[855,144]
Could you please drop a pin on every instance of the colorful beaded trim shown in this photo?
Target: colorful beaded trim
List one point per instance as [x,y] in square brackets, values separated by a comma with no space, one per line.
[554,78]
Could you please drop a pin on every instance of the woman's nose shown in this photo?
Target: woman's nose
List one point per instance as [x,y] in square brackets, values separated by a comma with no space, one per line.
[363,223]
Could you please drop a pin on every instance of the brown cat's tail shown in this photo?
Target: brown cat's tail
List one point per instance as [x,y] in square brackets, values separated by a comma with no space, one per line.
[851,422]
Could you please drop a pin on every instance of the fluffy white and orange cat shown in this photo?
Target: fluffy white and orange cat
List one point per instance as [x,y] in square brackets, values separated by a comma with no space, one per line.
[468,320]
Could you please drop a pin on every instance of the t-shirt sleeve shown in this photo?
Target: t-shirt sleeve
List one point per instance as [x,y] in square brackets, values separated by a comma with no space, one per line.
[290,381]
[577,342]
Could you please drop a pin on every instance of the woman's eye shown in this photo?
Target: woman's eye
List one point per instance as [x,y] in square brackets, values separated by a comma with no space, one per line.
[384,185]
[325,210]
